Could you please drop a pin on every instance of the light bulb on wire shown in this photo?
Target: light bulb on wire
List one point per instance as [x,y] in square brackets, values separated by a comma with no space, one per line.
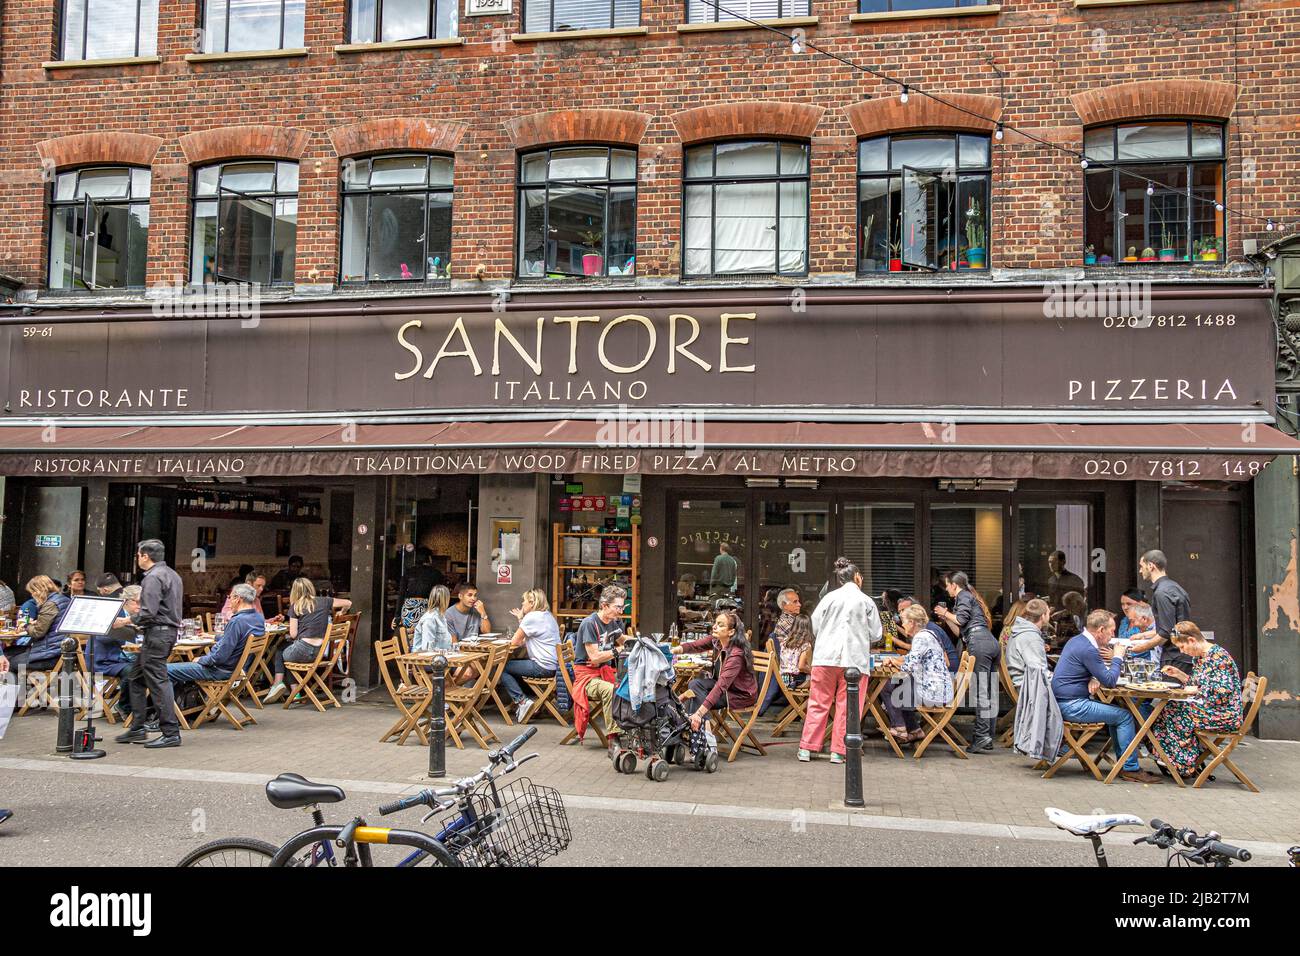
[1151,189]
[997,134]
[1083,163]
[902,97]
[1269,227]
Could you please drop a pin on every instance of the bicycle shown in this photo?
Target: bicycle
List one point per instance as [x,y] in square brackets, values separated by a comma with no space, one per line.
[1197,850]
[518,824]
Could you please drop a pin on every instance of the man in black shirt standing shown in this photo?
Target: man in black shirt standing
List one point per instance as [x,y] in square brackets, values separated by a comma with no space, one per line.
[1170,604]
[159,619]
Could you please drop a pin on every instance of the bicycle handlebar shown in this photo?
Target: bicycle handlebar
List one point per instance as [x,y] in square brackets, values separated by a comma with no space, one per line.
[1223,849]
[502,755]
[430,798]
[405,803]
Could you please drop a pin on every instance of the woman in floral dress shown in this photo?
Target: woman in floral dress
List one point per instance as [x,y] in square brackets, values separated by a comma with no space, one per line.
[1217,706]
[926,665]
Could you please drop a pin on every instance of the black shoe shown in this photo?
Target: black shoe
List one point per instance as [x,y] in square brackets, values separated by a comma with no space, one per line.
[132,736]
[151,727]
[159,742]
[121,712]
[5,815]
[981,748]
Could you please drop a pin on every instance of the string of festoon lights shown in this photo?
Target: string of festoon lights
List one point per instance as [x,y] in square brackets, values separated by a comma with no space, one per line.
[799,43]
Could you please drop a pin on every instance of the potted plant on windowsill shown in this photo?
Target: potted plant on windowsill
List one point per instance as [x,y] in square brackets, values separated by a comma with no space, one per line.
[1148,255]
[896,256]
[1132,254]
[1209,249]
[975,252]
[593,263]
[1090,255]
[1167,251]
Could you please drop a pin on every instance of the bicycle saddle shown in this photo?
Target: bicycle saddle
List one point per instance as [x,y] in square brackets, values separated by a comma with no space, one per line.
[290,791]
[1083,824]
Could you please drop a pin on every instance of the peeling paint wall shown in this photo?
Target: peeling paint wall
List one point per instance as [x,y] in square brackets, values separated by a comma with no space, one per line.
[1277,595]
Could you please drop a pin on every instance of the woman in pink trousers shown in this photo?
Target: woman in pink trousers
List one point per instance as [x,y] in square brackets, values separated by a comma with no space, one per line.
[845,624]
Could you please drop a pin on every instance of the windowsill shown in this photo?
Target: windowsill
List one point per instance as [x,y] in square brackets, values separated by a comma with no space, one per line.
[566,279]
[98,64]
[1085,4]
[245,55]
[422,44]
[987,10]
[580,34]
[712,27]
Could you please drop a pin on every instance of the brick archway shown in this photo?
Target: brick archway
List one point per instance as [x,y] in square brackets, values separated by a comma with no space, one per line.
[889,114]
[106,146]
[758,119]
[396,133]
[577,126]
[1187,99]
[235,142]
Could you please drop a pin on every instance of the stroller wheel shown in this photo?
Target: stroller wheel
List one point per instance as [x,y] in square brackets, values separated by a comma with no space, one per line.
[659,771]
[711,763]
[625,762]
[650,767]
[677,754]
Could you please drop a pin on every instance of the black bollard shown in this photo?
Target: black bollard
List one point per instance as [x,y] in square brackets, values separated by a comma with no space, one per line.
[853,741]
[438,720]
[65,675]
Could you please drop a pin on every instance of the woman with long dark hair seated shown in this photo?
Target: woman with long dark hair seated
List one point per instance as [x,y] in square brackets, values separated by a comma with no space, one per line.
[734,684]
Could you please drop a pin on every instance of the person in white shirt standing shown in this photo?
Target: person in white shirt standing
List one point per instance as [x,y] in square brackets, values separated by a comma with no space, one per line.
[845,624]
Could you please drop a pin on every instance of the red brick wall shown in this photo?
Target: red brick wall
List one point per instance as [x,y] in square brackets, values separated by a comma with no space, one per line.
[1048,51]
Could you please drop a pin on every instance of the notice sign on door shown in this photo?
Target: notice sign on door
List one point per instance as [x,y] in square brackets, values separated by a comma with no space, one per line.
[505,574]
[49,541]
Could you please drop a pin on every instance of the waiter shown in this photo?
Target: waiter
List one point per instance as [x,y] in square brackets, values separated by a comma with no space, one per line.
[159,620]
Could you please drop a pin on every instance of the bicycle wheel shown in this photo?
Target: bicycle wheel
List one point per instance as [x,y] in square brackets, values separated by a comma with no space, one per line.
[432,853]
[232,851]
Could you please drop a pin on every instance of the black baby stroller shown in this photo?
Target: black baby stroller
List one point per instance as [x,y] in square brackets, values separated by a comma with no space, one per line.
[658,732]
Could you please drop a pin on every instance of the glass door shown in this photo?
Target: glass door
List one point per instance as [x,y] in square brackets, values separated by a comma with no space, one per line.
[969,537]
[711,556]
[880,538]
[792,545]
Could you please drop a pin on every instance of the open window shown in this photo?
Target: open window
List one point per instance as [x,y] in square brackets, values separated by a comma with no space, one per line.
[99,229]
[245,223]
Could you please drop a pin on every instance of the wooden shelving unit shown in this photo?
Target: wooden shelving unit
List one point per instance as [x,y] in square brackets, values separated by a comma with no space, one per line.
[567,579]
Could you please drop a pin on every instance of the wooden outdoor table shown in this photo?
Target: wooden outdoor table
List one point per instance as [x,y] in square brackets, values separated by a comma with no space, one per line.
[182,650]
[1132,696]
[9,637]
[877,681]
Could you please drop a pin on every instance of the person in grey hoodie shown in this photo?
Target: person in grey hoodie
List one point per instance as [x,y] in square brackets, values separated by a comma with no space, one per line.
[1025,647]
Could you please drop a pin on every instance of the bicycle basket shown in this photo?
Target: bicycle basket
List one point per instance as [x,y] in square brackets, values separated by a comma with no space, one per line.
[530,826]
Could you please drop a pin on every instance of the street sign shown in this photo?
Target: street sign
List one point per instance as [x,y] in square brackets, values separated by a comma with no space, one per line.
[49,541]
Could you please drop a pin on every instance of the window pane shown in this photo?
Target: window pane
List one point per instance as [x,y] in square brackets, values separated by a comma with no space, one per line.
[244,240]
[622,231]
[141,180]
[405,20]
[924,152]
[255,24]
[399,171]
[534,168]
[286,240]
[699,230]
[438,247]
[787,528]
[214,26]
[699,161]
[794,227]
[881,540]
[446,25]
[205,181]
[248,177]
[745,227]
[65,185]
[397,224]
[295,18]
[920,219]
[701,11]
[1055,546]
[74,25]
[973,222]
[106,251]
[286,177]
[65,239]
[148,27]
[532,227]
[967,538]
[1099,215]
[873,224]
[356,173]
[1207,222]
[576,243]
[363,21]
[577,15]
[112,29]
[104,183]
[974,151]
[1153,141]
[873,154]
[1207,140]
[622,164]
[203,243]
[747,159]
[586,162]
[1156,223]
[705,570]
[794,158]
[352,268]
[1099,143]
[439,171]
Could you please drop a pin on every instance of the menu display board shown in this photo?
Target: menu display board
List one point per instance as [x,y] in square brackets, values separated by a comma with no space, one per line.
[88,614]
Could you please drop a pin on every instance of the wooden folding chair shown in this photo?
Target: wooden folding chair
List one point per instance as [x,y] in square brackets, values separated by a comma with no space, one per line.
[939,718]
[219,696]
[543,691]
[209,622]
[411,698]
[343,669]
[464,700]
[765,663]
[309,678]
[499,658]
[564,655]
[1076,737]
[403,640]
[42,691]
[1008,737]
[1213,742]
